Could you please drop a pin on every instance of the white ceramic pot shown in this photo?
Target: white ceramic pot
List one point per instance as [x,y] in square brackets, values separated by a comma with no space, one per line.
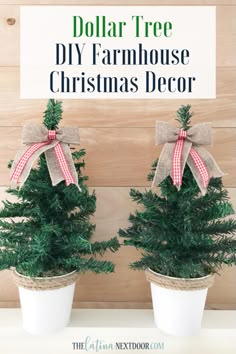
[45,311]
[178,312]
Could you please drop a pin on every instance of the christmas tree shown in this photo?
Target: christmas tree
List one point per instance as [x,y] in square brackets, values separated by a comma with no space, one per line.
[182,233]
[52,233]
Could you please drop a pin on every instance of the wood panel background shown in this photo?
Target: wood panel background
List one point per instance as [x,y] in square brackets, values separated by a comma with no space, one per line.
[119,138]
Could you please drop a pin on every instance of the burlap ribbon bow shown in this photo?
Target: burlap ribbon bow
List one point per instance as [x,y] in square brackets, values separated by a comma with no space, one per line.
[54,143]
[182,147]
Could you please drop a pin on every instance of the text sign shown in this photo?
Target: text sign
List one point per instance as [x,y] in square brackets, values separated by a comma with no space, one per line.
[118,52]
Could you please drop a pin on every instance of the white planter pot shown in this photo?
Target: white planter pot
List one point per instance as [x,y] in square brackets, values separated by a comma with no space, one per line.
[178,312]
[45,311]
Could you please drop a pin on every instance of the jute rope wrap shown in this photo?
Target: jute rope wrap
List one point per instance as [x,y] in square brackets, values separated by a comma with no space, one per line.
[179,283]
[47,283]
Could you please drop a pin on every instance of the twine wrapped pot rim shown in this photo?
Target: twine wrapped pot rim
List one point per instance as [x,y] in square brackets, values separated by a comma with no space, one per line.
[45,283]
[173,283]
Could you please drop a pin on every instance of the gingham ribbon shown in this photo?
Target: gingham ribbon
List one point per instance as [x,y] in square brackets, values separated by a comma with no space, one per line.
[201,167]
[181,148]
[54,143]
[63,165]
[176,161]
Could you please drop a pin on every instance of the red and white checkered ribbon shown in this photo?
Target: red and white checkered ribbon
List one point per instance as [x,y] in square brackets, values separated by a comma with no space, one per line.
[177,161]
[19,168]
[61,159]
[201,167]
[52,134]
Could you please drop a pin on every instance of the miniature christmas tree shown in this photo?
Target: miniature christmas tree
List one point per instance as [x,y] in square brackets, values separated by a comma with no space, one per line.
[182,233]
[52,236]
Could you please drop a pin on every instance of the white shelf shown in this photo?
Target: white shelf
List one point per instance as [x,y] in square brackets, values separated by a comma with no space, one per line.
[218,334]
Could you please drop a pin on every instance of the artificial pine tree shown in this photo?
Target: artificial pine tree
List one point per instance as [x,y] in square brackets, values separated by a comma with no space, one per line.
[182,233]
[53,235]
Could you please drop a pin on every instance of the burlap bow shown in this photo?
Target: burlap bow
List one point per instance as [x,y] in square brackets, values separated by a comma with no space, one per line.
[37,140]
[200,134]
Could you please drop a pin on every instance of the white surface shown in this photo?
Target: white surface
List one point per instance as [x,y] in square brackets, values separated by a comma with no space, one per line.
[46,311]
[178,312]
[217,336]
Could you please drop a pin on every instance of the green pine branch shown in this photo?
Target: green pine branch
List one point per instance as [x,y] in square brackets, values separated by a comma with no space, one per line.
[184,117]
[92,264]
[53,114]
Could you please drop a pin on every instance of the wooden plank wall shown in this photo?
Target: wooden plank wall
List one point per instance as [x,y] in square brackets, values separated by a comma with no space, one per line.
[119,138]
